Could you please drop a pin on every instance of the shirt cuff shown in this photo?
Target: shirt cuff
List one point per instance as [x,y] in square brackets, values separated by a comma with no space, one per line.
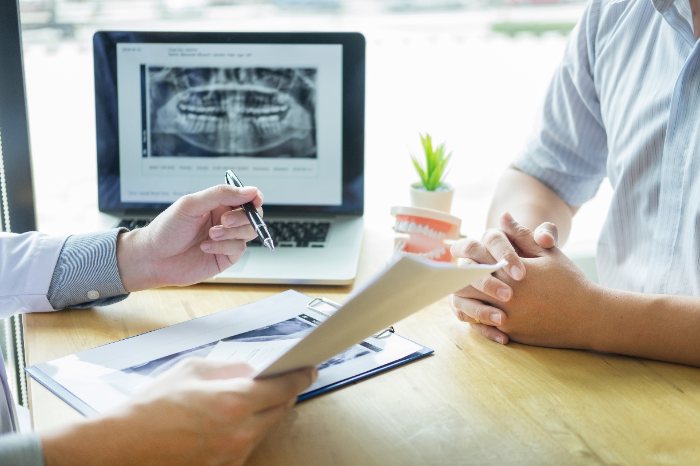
[86,272]
[21,450]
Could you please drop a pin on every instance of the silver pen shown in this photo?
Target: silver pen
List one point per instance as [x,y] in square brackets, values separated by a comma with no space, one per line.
[255,220]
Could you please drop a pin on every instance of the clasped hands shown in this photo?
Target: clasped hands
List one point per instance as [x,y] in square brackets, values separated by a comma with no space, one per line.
[540,297]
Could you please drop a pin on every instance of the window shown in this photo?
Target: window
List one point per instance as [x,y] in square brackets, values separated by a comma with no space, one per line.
[16,192]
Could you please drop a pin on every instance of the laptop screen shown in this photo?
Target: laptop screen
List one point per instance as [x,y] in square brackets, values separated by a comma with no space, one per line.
[285,111]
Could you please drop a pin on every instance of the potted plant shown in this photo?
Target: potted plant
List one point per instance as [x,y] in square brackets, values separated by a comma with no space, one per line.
[431,191]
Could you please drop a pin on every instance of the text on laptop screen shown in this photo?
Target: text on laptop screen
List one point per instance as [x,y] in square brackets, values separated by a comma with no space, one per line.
[270,112]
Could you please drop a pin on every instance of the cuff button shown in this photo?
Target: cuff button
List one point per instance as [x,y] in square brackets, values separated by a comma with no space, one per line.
[93,295]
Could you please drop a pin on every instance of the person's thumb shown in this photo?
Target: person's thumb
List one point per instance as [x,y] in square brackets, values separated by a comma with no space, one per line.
[547,235]
[520,236]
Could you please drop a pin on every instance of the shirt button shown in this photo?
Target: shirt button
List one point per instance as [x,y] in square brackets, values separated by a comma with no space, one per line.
[93,295]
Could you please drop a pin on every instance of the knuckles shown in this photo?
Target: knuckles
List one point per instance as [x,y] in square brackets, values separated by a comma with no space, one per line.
[510,256]
[186,202]
[488,285]
[233,405]
[466,293]
[493,237]
[455,305]
[222,191]
[470,248]
[522,231]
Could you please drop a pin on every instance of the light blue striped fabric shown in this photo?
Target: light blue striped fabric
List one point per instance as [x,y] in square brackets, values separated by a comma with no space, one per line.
[87,263]
[21,450]
[625,104]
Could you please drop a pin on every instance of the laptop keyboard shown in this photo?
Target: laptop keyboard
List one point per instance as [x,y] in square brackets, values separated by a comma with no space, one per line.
[296,234]
[286,234]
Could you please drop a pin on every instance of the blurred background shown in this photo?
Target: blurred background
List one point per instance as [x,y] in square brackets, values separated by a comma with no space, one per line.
[472,73]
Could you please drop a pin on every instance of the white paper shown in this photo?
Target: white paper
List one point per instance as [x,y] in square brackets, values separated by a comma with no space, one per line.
[98,379]
[257,355]
[273,335]
[409,284]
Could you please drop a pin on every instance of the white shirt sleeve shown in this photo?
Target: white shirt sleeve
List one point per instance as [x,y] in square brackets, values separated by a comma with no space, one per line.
[27,263]
[568,150]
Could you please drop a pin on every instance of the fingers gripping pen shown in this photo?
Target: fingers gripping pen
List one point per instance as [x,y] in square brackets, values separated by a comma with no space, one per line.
[255,220]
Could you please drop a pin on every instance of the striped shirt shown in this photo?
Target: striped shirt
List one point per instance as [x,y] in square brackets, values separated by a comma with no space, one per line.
[625,103]
[43,273]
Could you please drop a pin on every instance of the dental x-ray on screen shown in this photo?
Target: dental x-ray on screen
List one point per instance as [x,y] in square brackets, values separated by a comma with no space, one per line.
[238,111]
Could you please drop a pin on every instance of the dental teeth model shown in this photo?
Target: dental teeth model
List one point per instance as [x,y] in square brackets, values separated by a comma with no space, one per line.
[424,232]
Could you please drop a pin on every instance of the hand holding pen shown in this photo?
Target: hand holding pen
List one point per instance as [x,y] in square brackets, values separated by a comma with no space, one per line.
[255,220]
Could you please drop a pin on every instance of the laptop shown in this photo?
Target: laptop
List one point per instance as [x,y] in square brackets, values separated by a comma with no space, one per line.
[284,111]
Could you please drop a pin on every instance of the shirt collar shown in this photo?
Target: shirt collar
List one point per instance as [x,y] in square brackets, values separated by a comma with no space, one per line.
[681,11]
[661,5]
[685,11]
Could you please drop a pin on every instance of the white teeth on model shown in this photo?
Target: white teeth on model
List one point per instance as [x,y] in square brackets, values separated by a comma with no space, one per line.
[414,228]
[433,254]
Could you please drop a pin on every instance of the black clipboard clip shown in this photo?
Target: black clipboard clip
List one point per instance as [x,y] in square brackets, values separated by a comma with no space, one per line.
[327,308]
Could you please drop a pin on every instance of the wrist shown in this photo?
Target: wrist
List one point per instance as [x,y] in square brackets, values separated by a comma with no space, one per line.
[133,263]
[593,332]
[600,331]
[88,442]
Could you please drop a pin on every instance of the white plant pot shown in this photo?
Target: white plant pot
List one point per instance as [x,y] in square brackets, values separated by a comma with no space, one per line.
[440,199]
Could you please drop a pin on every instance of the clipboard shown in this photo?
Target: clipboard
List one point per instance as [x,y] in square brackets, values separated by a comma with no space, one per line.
[282,332]
[95,380]
[323,305]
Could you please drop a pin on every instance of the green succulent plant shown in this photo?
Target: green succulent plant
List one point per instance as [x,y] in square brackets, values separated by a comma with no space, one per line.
[434,168]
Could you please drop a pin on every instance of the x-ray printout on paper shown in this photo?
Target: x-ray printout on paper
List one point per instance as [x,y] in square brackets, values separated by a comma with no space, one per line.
[406,286]
[272,334]
[96,380]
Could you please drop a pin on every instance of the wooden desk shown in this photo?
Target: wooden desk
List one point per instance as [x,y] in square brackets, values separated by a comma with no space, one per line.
[473,402]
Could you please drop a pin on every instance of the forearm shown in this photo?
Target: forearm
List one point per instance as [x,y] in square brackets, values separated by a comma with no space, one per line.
[530,202]
[102,441]
[661,327]
[134,265]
